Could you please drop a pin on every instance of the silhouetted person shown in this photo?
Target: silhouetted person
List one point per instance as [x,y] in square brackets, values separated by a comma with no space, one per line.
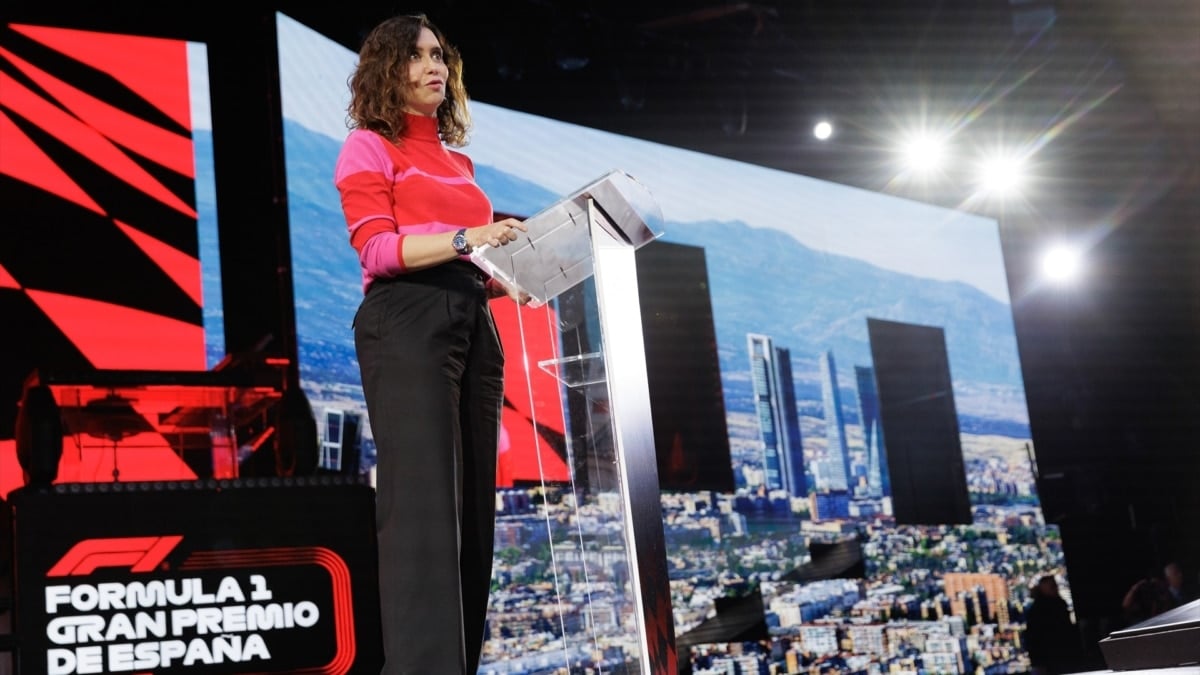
[1050,635]
[1180,590]
[1147,598]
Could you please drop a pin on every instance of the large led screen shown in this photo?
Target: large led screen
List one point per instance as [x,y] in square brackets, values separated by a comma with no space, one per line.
[866,355]
[108,247]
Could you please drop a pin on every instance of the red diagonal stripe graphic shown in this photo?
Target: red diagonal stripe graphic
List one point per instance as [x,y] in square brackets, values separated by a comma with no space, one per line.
[143,64]
[116,337]
[70,131]
[163,147]
[23,160]
[6,279]
[183,269]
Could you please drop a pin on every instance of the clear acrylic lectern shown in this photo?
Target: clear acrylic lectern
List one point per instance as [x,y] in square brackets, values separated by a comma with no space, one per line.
[607,550]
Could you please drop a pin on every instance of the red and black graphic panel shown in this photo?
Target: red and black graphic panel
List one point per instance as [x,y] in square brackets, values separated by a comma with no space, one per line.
[237,577]
[533,438]
[99,249]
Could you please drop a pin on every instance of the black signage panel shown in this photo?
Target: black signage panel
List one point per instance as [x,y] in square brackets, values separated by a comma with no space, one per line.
[259,576]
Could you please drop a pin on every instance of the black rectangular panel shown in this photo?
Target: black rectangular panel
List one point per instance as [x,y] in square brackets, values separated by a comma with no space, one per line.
[687,404]
[262,575]
[920,423]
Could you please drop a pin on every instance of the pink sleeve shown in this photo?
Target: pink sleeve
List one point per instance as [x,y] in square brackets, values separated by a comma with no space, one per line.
[364,175]
[381,255]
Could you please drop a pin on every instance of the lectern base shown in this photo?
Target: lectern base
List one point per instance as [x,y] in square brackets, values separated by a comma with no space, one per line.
[1169,640]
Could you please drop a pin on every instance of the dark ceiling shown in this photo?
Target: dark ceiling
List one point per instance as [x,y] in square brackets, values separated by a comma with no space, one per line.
[1108,91]
[746,79]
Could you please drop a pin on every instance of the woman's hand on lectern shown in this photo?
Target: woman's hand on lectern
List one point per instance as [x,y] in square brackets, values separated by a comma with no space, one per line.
[498,233]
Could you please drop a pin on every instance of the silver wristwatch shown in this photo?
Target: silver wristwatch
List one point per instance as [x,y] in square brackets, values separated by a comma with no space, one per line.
[460,243]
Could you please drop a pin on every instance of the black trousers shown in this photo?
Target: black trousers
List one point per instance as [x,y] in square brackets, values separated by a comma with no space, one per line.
[433,378]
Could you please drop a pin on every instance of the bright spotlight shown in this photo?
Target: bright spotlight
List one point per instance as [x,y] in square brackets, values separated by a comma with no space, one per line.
[1062,263]
[924,154]
[823,130]
[1002,175]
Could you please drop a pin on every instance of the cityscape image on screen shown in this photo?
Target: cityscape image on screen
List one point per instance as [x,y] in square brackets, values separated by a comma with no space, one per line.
[874,504]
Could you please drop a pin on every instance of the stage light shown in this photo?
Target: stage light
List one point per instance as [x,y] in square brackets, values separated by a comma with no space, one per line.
[1062,263]
[1001,175]
[924,154]
[823,130]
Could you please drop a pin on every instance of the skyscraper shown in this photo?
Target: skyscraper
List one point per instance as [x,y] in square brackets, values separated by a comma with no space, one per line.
[872,428]
[837,452]
[341,441]
[793,448]
[778,422]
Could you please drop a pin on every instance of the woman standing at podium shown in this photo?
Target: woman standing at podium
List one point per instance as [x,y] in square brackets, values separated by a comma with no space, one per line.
[431,361]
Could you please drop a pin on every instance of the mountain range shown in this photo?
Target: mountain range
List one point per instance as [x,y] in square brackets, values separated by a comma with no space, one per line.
[761,281]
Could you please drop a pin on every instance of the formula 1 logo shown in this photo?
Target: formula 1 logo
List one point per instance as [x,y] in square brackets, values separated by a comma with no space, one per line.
[213,610]
[139,554]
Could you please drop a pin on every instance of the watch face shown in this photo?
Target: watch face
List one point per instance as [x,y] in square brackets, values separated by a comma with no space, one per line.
[460,243]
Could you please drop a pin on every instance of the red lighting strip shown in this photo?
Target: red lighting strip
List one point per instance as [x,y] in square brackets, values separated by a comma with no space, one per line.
[339,573]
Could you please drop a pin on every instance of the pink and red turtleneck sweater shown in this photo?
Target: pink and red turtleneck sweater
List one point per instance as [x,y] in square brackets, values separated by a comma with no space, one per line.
[392,190]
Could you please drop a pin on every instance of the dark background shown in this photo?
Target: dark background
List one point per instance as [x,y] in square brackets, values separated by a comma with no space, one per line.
[1112,366]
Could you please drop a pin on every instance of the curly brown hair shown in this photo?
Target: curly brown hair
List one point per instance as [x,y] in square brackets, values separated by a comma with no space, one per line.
[379,82]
